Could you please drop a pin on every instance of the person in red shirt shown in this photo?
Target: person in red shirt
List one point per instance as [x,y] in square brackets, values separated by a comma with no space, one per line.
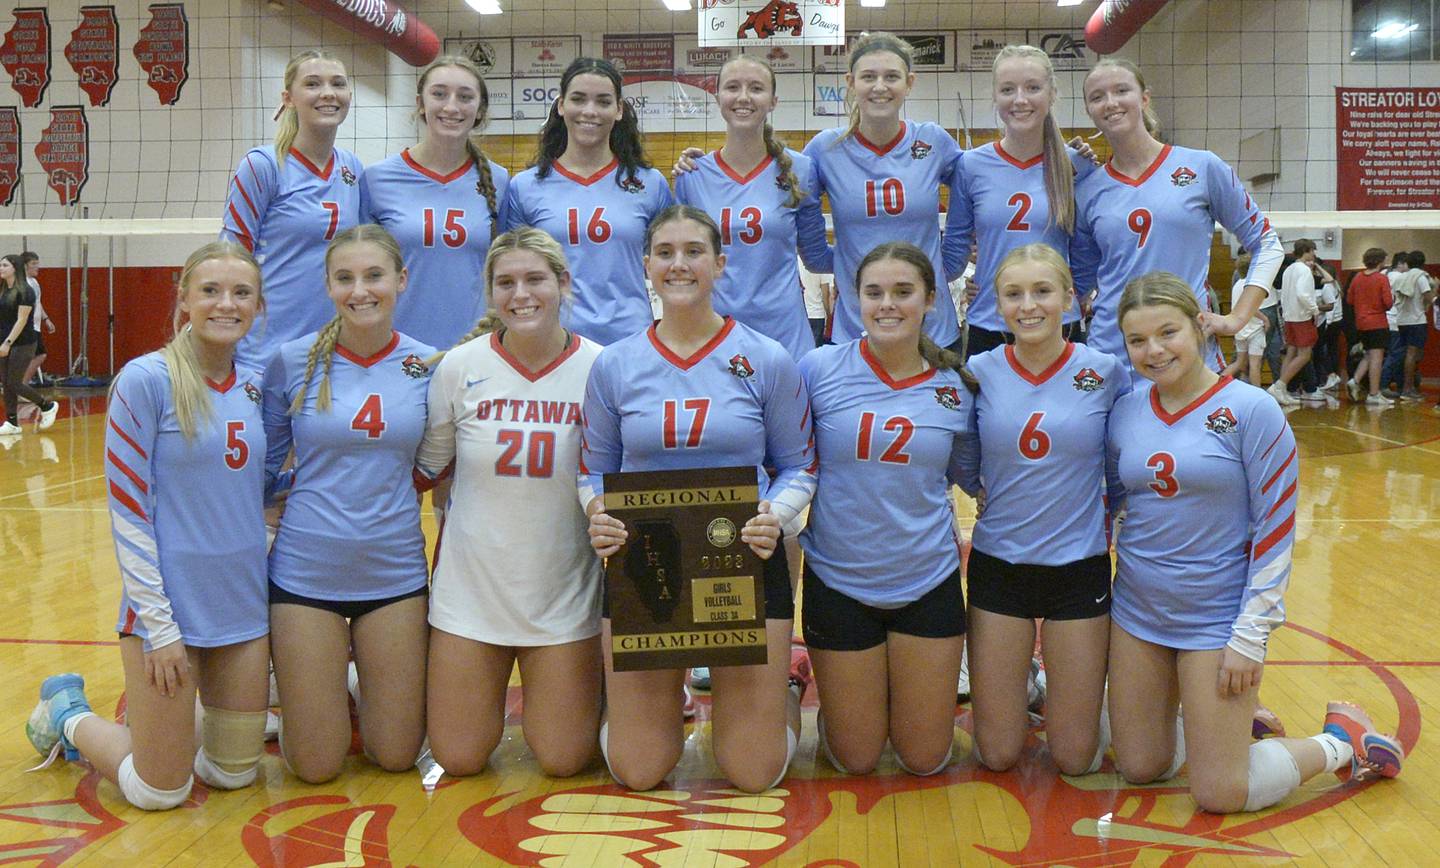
[1369,293]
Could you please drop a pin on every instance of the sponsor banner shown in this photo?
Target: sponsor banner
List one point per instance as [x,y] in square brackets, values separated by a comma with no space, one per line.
[935,51]
[1387,148]
[1066,48]
[692,58]
[493,58]
[828,95]
[9,153]
[402,33]
[531,98]
[25,54]
[634,54]
[94,52]
[543,56]
[672,98]
[64,152]
[771,22]
[977,48]
[163,51]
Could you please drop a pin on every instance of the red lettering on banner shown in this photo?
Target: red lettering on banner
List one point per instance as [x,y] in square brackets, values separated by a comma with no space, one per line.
[1387,148]
[94,52]
[163,51]
[9,152]
[64,152]
[25,54]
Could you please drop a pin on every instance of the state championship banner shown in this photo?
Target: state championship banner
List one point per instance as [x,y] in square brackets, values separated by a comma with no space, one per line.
[771,22]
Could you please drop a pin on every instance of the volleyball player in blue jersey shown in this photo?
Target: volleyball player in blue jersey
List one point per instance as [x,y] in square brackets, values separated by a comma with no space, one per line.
[1015,191]
[440,199]
[764,197]
[1207,473]
[1040,548]
[1155,206]
[592,189]
[892,418]
[348,566]
[286,201]
[184,452]
[698,389]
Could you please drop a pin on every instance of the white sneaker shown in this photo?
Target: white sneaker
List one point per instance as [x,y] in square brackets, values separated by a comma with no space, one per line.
[11,428]
[1356,393]
[47,417]
[1282,396]
[1332,383]
[1378,401]
[1312,398]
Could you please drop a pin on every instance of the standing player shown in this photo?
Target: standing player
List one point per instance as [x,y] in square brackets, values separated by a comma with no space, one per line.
[593,190]
[763,195]
[1040,548]
[518,583]
[700,390]
[287,201]
[348,567]
[17,346]
[1155,206]
[1208,471]
[883,177]
[886,627]
[184,451]
[440,199]
[1016,191]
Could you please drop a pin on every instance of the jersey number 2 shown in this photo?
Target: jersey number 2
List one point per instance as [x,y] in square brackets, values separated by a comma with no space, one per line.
[237,451]
[1163,465]
[895,453]
[370,418]
[1021,203]
[539,458]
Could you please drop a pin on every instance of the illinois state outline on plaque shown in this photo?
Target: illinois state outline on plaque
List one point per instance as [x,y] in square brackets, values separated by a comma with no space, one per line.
[163,51]
[25,54]
[64,152]
[94,52]
[9,153]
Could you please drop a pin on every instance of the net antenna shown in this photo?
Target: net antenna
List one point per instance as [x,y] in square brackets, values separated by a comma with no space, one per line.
[962,123]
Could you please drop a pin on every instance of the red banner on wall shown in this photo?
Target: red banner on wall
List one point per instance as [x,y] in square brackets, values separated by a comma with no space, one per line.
[163,51]
[402,33]
[64,152]
[26,55]
[94,52]
[9,153]
[1387,148]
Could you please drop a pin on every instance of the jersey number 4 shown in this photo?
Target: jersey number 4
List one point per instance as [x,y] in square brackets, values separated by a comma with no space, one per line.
[539,458]
[895,453]
[452,232]
[699,408]
[1162,464]
[237,451]
[370,418]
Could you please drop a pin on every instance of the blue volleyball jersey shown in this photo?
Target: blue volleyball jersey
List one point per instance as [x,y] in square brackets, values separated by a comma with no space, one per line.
[1162,221]
[286,217]
[600,221]
[737,400]
[1041,460]
[1002,203]
[351,528]
[187,515]
[886,192]
[761,283]
[443,224]
[1203,557]
[882,528]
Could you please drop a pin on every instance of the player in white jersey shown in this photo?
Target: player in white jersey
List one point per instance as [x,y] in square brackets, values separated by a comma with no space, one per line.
[285,202]
[348,570]
[440,198]
[516,580]
[1155,206]
[593,190]
[1016,191]
[701,390]
[886,629]
[1040,548]
[184,453]
[765,198]
[1207,473]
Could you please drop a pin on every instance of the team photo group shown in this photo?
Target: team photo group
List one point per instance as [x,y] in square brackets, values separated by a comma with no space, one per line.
[496,341]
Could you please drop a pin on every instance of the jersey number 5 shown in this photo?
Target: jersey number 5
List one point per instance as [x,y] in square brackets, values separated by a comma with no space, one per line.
[237,451]
[370,418]
[596,230]
[539,458]
[895,453]
[1163,465]
[699,407]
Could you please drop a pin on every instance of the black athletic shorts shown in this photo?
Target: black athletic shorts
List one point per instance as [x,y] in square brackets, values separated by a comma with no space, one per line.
[350,609]
[1067,592]
[779,599]
[838,622]
[1375,339]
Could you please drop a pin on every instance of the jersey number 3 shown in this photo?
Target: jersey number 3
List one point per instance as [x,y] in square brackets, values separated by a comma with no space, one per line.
[1163,465]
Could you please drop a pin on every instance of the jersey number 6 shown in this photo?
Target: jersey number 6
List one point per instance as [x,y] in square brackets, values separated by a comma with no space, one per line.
[1034,443]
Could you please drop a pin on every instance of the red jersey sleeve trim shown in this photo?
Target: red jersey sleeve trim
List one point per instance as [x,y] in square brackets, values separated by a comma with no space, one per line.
[1269,483]
[1273,537]
[128,439]
[125,469]
[127,501]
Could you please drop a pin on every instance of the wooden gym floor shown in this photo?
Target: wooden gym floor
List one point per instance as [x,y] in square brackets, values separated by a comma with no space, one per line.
[1363,610]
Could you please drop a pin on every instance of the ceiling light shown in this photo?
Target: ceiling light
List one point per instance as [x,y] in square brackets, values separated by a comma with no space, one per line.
[872,4]
[1394,29]
[677,5]
[485,7]
[1068,2]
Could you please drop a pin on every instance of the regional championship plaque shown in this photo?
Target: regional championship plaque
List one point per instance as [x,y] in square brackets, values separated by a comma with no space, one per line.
[684,590]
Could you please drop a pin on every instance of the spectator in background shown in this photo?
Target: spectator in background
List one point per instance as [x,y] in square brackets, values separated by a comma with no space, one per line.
[1299,308]
[1270,310]
[1327,359]
[1395,348]
[1369,293]
[33,375]
[1413,293]
[817,301]
[1250,340]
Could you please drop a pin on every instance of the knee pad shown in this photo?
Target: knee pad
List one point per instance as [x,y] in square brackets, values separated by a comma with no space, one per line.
[1102,744]
[791,742]
[230,747]
[935,771]
[825,745]
[144,796]
[1179,760]
[605,750]
[1273,775]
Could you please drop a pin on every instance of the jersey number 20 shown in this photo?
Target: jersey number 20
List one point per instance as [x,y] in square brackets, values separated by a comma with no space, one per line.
[539,458]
